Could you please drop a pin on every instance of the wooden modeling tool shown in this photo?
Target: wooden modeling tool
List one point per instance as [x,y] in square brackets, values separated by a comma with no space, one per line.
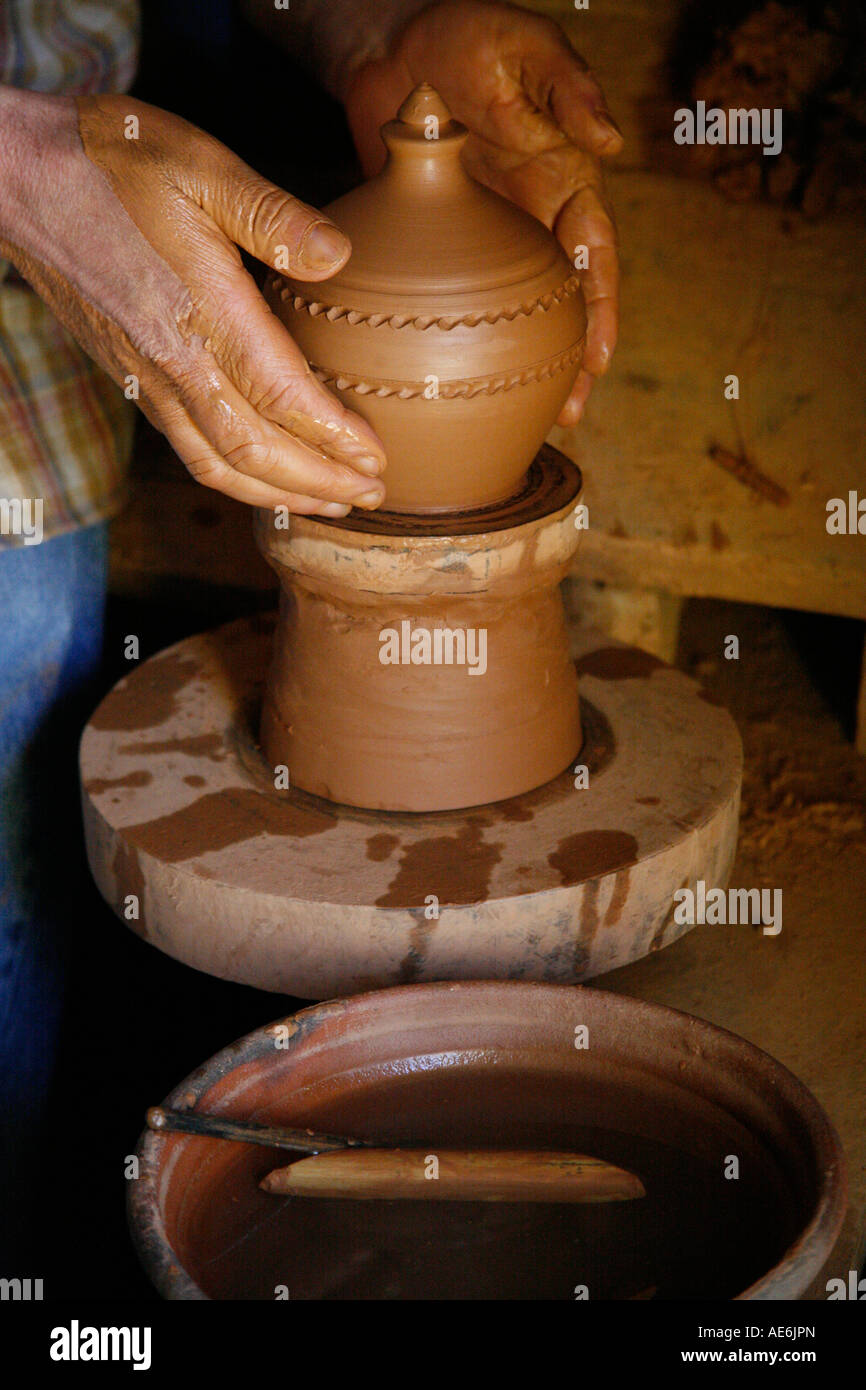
[358,1169]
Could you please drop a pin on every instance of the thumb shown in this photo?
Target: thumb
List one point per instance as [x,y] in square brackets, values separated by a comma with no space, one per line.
[276,228]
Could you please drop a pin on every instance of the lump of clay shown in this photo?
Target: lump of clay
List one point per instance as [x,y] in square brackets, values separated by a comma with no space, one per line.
[456,328]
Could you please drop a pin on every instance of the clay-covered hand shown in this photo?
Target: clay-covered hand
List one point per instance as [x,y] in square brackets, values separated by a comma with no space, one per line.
[127,221]
[539,128]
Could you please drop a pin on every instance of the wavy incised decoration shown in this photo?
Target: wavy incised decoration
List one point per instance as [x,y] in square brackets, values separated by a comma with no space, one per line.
[450,390]
[445,322]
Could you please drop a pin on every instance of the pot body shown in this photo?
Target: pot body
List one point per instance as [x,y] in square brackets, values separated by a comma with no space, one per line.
[456,328]
[461,410]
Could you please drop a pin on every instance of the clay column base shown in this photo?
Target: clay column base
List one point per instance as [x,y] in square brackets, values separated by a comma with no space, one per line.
[419,668]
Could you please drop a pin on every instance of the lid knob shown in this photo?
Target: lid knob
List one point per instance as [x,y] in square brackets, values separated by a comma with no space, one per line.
[421,104]
[423,119]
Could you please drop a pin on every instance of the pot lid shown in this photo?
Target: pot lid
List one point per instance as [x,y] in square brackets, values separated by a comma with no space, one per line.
[424,231]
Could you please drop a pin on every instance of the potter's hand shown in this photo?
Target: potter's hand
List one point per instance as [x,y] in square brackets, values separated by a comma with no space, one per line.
[133,242]
[538,128]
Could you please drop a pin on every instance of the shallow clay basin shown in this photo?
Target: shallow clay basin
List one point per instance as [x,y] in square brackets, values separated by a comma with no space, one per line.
[668,1096]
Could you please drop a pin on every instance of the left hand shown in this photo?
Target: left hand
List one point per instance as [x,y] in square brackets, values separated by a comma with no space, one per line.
[538,130]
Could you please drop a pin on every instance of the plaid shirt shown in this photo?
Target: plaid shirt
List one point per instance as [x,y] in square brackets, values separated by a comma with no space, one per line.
[65,428]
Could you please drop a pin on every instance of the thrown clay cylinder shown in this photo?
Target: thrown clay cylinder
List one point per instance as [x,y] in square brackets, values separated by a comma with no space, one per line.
[415,671]
[456,328]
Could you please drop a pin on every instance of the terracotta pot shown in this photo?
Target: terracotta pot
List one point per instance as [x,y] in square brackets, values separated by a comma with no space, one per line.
[419,671]
[456,328]
[668,1096]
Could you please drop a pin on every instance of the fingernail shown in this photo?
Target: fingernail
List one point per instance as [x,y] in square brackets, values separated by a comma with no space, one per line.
[607,122]
[370,499]
[322,245]
[334,509]
[369,464]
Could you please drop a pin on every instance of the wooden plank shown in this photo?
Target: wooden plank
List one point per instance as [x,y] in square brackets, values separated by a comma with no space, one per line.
[712,288]
[645,618]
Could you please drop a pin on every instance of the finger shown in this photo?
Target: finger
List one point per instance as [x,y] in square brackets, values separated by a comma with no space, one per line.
[573,408]
[208,468]
[585,220]
[602,331]
[559,83]
[514,80]
[255,447]
[260,357]
[280,230]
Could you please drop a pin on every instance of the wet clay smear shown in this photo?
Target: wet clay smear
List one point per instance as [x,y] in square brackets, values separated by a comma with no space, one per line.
[380,847]
[591,853]
[97,785]
[194,746]
[147,698]
[220,819]
[454,868]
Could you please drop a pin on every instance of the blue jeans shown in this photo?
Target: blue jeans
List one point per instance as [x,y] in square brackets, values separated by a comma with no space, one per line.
[52,602]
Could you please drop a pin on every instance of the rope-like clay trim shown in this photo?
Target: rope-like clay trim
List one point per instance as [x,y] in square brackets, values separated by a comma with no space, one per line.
[450,390]
[422,321]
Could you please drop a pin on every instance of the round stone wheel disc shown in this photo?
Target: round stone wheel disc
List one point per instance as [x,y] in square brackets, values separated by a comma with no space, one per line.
[194,847]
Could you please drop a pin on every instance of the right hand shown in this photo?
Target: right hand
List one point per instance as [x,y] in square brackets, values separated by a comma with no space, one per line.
[538,132]
[133,245]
